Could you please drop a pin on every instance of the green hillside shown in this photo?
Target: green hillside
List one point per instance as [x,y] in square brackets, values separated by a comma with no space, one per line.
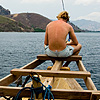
[10,25]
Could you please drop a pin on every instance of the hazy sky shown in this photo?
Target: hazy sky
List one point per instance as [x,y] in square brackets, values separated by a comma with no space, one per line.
[78,9]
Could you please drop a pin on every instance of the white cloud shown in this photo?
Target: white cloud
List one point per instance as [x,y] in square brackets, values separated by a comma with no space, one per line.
[1,1]
[94,16]
[98,0]
[35,1]
[86,2]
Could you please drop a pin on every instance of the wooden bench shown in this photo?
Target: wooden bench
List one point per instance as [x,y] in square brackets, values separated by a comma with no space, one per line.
[70,58]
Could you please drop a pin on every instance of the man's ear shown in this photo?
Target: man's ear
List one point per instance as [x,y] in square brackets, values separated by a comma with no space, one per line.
[66,20]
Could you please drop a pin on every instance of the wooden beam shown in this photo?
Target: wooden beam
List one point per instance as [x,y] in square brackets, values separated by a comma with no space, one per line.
[89,83]
[58,93]
[8,80]
[33,64]
[71,58]
[73,84]
[12,91]
[57,65]
[11,78]
[71,94]
[81,66]
[51,73]
[95,95]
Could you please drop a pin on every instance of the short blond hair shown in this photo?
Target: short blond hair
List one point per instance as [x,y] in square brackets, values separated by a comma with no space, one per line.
[64,15]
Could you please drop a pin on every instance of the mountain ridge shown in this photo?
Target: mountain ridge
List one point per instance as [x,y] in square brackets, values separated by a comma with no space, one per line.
[39,20]
[87,24]
[4,11]
[28,21]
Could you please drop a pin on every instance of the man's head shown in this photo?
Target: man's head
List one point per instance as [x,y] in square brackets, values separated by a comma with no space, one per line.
[63,15]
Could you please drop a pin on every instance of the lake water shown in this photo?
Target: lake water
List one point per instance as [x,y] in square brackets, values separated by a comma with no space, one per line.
[19,49]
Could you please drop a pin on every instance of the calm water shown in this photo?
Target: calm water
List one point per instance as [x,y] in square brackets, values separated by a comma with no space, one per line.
[18,49]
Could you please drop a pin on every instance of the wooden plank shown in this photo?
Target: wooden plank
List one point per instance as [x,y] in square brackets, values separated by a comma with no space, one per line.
[58,93]
[58,84]
[11,78]
[71,94]
[95,95]
[33,64]
[73,84]
[89,83]
[56,66]
[71,58]
[51,73]
[81,66]
[12,91]
[8,80]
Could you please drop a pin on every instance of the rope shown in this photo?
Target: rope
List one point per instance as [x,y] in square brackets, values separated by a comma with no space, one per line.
[31,90]
[48,93]
[63,5]
[37,90]
[47,89]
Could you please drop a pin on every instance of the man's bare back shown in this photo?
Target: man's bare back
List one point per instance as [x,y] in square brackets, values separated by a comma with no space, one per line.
[57,32]
[55,38]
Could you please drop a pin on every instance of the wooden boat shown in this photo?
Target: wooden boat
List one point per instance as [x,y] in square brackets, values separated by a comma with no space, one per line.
[64,85]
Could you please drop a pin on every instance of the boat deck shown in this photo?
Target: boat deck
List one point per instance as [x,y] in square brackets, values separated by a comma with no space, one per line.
[64,85]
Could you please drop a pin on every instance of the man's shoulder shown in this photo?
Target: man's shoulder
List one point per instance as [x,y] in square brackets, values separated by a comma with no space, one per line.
[52,22]
[69,25]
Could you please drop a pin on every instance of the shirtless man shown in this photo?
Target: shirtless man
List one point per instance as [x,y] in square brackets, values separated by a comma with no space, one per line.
[55,38]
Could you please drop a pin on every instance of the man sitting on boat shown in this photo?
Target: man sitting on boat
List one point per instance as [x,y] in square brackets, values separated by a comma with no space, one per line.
[55,38]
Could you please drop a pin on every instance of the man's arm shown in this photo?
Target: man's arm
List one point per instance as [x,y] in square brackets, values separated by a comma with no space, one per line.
[73,37]
[46,37]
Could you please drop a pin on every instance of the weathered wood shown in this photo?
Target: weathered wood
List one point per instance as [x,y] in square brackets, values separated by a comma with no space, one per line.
[71,94]
[11,78]
[81,66]
[71,58]
[8,80]
[73,84]
[51,73]
[12,91]
[56,66]
[33,64]
[89,83]
[95,95]
[58,93]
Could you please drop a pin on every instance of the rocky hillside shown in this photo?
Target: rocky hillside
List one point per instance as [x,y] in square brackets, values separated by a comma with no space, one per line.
[87,25]
[36,21]
[33,20]
[24,22]
[9,25]
[4,11]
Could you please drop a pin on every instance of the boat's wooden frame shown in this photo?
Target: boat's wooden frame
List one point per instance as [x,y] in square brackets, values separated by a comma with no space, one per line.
[75,91]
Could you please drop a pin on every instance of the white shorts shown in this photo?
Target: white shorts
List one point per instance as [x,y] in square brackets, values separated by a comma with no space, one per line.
[68,51]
